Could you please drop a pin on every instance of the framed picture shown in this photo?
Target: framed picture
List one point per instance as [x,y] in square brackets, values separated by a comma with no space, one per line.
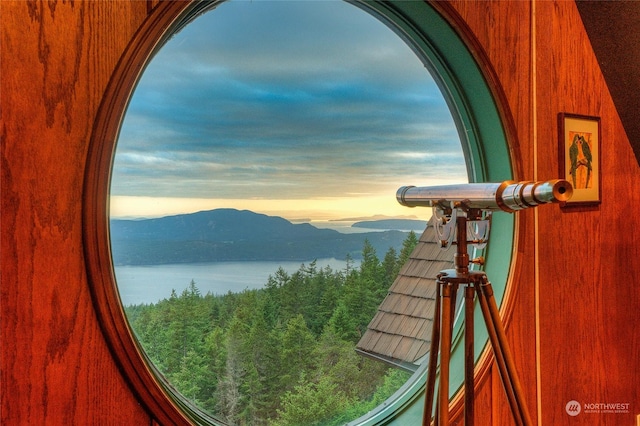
[579,138]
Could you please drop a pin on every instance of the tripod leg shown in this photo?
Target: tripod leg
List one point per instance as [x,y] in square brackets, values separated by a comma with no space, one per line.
[433,361]
[469,358]
[499,355]
[445,353]
[454,299]
[503,355]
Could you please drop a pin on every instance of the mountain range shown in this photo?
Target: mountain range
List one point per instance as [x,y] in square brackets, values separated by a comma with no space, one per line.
[237,235]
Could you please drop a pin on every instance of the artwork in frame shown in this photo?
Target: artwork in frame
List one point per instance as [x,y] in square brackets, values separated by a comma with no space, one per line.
[579,138]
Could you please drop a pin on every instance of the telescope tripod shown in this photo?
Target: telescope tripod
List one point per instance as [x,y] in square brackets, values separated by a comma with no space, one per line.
[447,284]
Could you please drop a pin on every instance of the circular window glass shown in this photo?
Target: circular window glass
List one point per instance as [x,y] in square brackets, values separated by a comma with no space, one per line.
[253,223]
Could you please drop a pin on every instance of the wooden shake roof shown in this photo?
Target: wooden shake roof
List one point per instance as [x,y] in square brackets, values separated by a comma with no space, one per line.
[400,332]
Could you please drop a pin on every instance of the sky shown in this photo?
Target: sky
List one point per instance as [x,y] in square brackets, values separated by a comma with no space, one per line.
[310,110]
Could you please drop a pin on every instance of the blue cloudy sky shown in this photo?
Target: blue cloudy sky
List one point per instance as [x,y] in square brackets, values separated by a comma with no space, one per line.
[306,109]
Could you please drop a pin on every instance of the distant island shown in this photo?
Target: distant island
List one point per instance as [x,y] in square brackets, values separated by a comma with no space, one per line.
[398,224]
[243,235]
[373,218]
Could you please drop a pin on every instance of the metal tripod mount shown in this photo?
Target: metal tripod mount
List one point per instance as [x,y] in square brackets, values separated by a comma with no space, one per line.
[460,220]
[455,206]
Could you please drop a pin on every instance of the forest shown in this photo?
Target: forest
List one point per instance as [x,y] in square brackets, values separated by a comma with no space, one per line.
[281,355]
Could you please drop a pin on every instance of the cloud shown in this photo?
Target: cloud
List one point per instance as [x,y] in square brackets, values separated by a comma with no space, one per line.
[284,100]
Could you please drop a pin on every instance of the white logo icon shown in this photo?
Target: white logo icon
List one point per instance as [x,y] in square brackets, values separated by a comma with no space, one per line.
[573,408]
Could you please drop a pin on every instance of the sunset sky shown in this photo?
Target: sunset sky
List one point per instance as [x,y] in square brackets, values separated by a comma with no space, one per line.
[303,109]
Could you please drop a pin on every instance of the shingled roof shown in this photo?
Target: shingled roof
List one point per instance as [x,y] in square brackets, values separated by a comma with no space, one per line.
[400,332]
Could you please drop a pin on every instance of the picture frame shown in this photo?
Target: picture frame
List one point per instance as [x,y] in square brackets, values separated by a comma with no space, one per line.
[579,143]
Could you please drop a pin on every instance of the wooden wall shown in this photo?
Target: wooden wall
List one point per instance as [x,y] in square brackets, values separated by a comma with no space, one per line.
[56,61]
[589,307]
[574,314]
[575,311]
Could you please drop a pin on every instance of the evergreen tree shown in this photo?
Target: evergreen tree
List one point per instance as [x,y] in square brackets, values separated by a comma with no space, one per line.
[292,296]
[331,294]
[215,355]
[408,245]
[277,368]
[228,394]
[273,289]
[311,403]
[343,325]
[370,268]
[193,378]
[228,390]
[389,268]
[187,326]
[258,371]
[360,295]
[297,347]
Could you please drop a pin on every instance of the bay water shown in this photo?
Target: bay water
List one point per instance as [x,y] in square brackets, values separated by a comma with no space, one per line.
[150,284]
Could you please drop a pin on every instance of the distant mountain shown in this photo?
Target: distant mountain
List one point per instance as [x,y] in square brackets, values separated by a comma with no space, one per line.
[232,235]
[399,224]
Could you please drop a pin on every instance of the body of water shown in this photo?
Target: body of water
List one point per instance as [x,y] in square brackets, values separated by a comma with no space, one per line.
[149,284]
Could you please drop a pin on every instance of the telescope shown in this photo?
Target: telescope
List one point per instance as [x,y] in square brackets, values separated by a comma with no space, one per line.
[507,196]
[454,206]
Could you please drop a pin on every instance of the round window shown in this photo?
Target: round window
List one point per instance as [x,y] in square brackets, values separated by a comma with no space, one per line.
[253,232]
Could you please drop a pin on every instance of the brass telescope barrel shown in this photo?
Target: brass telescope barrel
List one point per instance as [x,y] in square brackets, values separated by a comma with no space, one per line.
[508,196]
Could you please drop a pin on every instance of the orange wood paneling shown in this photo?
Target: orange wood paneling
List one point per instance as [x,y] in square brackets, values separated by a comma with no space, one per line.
[588,313]
[500,32]
[590,345]
[56,60]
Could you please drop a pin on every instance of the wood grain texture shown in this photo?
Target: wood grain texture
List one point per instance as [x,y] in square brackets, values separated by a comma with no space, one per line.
[589,350]
[56,60]
[500,33]
[589,343]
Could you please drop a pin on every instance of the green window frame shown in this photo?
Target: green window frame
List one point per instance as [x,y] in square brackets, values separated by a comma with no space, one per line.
[464,85]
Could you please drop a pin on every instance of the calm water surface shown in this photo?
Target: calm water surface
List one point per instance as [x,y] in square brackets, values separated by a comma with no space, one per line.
[149,284]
